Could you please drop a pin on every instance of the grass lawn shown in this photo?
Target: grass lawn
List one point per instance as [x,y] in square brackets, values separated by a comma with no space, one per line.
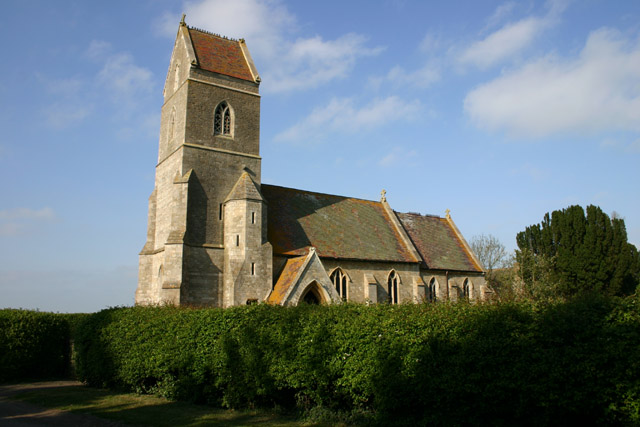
[149,410]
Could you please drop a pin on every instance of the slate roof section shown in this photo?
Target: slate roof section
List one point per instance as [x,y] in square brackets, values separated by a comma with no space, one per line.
[338,227]
[287,279]
[220,55]
[437,242]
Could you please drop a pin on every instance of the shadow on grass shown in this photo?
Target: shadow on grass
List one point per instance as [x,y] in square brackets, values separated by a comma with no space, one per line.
[144,410]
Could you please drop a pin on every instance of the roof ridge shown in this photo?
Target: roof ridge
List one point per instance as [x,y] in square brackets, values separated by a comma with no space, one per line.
[419,214]
[220,36]
[322,194]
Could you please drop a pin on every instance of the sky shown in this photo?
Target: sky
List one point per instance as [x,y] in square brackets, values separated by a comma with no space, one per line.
[500,111]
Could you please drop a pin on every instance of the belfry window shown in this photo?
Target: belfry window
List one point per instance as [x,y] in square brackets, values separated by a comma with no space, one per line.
[223,120]
[339,280]
[392,287]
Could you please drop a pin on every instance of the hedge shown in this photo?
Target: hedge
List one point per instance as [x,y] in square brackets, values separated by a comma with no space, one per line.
[33,345]
[429,364]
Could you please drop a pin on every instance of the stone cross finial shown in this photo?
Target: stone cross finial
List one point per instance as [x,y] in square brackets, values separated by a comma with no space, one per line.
[184,15]
[448,213]
[383,196]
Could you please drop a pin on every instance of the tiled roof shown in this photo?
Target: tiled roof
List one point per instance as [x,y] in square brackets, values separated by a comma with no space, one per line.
[338,227]
[286,279]
[437,242]
[220,55]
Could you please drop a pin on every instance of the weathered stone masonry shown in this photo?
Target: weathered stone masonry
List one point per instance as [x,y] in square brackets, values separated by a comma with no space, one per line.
[218,237]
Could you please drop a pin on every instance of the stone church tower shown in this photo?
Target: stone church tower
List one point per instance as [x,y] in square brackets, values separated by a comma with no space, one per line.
[217,236]
[207,237]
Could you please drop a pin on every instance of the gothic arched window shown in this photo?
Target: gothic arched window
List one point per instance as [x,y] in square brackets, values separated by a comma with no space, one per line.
[433,290]
[466,288]
[339,280]
[392,287]
[223,120]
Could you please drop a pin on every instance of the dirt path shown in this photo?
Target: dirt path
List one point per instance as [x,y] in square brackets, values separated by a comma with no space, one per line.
[18,413]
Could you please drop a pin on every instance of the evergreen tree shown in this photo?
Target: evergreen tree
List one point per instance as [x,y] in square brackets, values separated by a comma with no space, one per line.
[584,252]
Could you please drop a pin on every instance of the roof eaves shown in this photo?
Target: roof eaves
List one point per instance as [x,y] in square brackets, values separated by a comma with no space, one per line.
[464,243]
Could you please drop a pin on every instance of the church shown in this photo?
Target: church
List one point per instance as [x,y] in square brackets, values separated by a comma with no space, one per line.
[218,237]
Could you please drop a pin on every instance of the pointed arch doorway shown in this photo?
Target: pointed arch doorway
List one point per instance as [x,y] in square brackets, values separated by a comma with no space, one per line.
[313,294]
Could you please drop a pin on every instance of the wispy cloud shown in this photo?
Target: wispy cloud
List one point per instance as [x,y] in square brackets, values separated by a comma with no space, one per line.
[18,221]
[268,27]
[421,78]
[510,39]
[631,147]
[342,115]
[500,14]
[398,155]
[64,114]
[533,172]
[27,213]
[118,79]
[599,90]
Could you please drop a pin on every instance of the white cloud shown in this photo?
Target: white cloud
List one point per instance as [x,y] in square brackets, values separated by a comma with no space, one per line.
[510,39]
[124,80]
[267,26]
[502,43]
[18,221]
[501,13]
[341,115]
[597,91]
[430,43]
[309,63]
[118,79]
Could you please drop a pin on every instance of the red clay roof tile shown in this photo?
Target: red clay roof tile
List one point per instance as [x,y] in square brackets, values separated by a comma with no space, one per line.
[286,279]
[220,55]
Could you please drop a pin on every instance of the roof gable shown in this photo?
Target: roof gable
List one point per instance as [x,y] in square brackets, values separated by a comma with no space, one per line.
[338,227]
[297,275]
[220,55]
[437,242]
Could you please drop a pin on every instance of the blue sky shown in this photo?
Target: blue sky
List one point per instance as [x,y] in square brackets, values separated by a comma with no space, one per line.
[500,111]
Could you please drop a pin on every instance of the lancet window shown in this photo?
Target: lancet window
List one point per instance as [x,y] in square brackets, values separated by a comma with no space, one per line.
[339,279]
[433,291]
[466,288]
[392,287]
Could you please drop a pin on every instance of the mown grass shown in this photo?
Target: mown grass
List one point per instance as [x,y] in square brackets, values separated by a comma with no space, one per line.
[151,410]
